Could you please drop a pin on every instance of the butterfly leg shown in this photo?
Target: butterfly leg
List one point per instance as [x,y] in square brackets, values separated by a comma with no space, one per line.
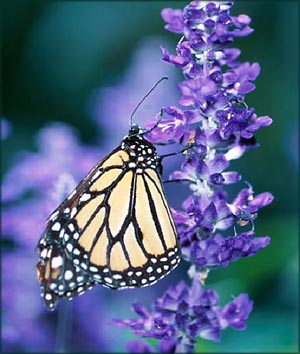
[181,151]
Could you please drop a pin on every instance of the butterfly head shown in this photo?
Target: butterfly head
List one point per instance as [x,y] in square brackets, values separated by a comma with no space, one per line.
[142,153]
[135,131]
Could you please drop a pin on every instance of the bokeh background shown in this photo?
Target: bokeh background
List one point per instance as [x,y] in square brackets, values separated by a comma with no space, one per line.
[72,72]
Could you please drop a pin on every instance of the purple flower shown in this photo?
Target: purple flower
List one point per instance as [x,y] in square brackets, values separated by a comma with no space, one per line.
[183,57]
[184,313]
[245,204]
[197,92]
[215,123]
[236,312]
[174,20]
[219,251]
[173,125]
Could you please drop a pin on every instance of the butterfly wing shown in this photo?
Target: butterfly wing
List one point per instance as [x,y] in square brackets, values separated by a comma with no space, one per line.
[116,226]
[59,277]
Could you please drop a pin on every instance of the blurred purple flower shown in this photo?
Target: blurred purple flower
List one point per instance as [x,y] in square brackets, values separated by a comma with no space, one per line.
[31,189]
[116,103]
[28,327]
[60,163]
[138,346]
[59,151]
[23,325]
[5,128]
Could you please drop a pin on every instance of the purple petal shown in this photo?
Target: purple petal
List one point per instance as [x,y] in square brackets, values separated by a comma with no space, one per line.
[210,213]
[212,333]
[259,122]
[219,163]
[237,312]
[138,346]
[141,310]
[180,60]
[254,71]
[231,177]
[174,20]
[6,128]
[244,19]
[243,197]
[261,200]
[242,33]
[246,88]
[259,243]
[167,345]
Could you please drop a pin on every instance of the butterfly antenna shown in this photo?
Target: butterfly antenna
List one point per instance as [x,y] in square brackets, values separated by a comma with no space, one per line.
[143,99]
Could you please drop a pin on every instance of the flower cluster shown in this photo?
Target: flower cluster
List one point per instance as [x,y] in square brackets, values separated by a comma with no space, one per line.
[219,127]
[184,313]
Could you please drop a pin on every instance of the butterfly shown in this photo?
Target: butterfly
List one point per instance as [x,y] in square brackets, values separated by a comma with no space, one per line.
[114,229]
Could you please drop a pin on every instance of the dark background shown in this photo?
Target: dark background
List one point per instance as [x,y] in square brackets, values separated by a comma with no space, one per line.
[56,53]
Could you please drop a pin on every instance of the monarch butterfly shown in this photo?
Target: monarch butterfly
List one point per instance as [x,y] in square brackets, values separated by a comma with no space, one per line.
[114,229]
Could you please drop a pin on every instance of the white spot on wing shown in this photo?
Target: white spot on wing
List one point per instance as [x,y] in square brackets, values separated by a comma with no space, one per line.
[56,262]
[73,212]
[117,276]
[131,165]
[96,175]
[56,226]
[149,270]
[71,195]
[93,269]
[53,216]
[68,275]
[108,280]
[44,253]
[48,296]
[85,197]
[69,247]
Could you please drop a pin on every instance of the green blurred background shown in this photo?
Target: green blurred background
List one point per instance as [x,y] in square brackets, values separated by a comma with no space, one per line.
[56,53]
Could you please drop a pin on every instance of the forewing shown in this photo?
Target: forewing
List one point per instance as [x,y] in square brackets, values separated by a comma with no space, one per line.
[128,238]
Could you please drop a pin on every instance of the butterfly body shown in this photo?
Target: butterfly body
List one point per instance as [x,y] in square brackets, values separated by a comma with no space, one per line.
[115,228]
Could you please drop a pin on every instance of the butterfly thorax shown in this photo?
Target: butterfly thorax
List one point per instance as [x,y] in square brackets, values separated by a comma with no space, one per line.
[142,153]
